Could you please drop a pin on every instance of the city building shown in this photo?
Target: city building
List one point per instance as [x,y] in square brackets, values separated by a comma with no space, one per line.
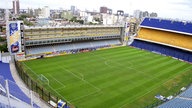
[137,14]
[120,12]
[133,25]
[45,12]
[142,14]
[30,12]
[146,14]
[73,10]
[23,11]
[86,16]
[153,14]
[37,12]
[104,9]
[67,15]
[2,14]
[109,11]
[16,7]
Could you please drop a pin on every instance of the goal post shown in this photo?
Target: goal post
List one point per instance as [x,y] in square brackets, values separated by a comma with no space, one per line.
[43,79]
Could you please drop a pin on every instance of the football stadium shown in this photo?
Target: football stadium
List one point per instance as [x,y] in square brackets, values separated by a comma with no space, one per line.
[101,66]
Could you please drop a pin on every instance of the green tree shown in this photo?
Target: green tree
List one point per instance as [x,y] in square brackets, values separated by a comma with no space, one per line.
[4,47]
[28,23]
[80,21]
[23,17]
[74,19]
[2,39]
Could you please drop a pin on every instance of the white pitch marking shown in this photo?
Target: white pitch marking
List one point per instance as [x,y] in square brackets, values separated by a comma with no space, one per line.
[80,78]
[155,87]
[56,80]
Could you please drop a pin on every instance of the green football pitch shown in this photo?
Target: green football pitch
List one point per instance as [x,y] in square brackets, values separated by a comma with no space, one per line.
[122,77]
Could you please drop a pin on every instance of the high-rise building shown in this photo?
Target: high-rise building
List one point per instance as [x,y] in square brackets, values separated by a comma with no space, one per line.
[146,14]
[137,14]
[46,12]
[37,12]
[16,7]
[153,14]
[30,12]
[120,12]
[109,11]
[73,10]
[2,13]
[103,9]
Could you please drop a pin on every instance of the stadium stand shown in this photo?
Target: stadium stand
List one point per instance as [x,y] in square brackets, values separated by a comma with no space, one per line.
[187,93]
[14,89]
[71,46]
[2,105]
[2,86]
[167,37]
[174,39]
[175,26]
[162,49]
[5,71]
[11,101]
[170,38]
[177,103]
[70,39]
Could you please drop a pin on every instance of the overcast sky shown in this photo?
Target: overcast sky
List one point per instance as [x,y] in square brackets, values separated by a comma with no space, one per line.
[176,9]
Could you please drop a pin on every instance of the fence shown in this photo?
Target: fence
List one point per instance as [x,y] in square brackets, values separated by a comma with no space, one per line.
[48,96]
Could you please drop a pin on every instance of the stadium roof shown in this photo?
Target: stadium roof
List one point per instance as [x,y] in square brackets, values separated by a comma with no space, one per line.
[168,25]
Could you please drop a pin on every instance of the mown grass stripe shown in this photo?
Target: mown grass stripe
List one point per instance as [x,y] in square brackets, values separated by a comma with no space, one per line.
[110,78]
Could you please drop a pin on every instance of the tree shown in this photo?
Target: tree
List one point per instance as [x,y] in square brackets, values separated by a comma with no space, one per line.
[2,39]
[28,23]
[74,19]
[97,19]
[80,21]
[4,47]
[22,17]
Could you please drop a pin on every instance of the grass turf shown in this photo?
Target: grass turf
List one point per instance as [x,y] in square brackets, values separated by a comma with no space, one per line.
[113,78]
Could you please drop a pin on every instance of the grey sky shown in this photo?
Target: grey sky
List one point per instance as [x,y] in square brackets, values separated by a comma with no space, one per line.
[177,9]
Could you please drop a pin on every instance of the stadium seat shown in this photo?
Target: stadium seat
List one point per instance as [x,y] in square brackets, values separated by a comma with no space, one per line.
[169,51]
[187,93]
[2,105]
[14,89]
[168,25]
[174,39]
[177,103]
[71,46]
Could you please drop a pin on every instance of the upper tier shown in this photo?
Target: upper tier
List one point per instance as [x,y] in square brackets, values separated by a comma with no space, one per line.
[69,32]
[168,25]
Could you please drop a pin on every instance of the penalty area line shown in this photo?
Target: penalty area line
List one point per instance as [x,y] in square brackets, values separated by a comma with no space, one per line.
[80,78]
[56,80]
[58,92]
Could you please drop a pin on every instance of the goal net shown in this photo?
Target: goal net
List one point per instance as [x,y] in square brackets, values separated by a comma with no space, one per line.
[43,79]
